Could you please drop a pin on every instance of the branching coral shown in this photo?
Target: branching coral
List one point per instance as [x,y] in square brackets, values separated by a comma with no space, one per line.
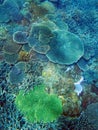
[37,105]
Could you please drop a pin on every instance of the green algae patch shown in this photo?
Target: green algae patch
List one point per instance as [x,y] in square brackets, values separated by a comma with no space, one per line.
[37,105]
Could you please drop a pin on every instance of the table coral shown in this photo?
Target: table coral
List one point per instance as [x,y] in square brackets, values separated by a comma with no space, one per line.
[16,75]
[4,17]
[11,47]
[58,44]
[39,38]
[48,6]
[10,58]
[20,37]
[66,48]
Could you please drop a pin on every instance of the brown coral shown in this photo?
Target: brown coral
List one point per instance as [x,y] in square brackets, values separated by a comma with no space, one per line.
[71,106]
[37,11]
[70,100]
[24,56]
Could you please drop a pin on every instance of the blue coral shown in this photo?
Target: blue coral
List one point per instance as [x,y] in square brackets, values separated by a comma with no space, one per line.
[91,77]
[66,48]
[20,37]
[59,45]
[9,10]
[16,75]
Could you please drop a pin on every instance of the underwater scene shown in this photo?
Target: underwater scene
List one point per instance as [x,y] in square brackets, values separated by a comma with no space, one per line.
[48,64]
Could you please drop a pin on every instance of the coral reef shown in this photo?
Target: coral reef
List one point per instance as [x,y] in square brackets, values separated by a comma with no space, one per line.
[9,10]
[50,75]
[68,48]
[20,37]
[50,42]
[64,87]
[16,75]
[11,59]
[88,119]
[53,43]
[11,47]
[23,56]
[39,38]
[37,101]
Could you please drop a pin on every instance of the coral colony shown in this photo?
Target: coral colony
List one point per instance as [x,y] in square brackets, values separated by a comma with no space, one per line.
[48,65]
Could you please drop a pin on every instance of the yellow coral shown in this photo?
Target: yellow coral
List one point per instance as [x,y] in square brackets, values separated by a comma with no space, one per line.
[23,56]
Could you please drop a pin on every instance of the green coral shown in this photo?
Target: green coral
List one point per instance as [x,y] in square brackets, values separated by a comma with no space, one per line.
[3,32]
[37,105]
